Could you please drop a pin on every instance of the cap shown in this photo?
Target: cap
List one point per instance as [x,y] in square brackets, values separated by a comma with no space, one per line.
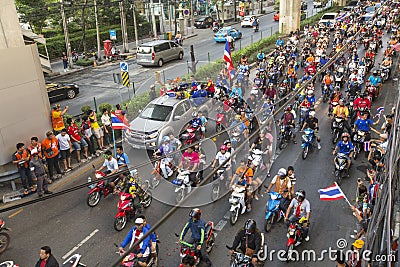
[358,244]
[139,221]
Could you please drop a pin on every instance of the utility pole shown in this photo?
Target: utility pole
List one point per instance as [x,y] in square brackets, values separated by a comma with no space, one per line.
[135,25]
[170,15]
[191,15]
[153,19]
[97,30]
[66,35]
[175,22]
[123,27]
[161,18]
[235,11]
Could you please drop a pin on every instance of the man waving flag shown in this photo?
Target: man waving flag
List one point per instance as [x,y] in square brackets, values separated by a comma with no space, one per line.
[228,57]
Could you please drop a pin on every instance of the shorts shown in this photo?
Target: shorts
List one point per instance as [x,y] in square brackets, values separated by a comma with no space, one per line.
[78,146]
[65,154]
[316,133]
[98,133]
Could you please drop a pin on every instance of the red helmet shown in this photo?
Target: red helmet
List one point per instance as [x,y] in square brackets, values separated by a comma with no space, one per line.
[345,134]
[195,213]
[223,147]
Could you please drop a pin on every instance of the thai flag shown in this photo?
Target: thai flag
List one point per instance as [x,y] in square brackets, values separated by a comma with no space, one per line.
[379,111]
[367,146]
[118,123]
[330,193]
[228,57]
[341,17]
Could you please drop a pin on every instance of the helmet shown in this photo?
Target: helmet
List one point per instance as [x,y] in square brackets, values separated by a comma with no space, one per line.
[165,139]
[300,195]
[288,109]
[310,92]
[337,88]
[238,117]
[223,147]
[282,172]
[195,213]
[345,134]
[134,172]
[250,226]
[194,114]
[312,113]
[375,72]
[341,102]
[227,141]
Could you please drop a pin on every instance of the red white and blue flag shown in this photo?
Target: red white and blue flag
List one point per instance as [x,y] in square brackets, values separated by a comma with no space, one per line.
[379,111]
[118,122]
[330,193]
[228,57]
[367,146]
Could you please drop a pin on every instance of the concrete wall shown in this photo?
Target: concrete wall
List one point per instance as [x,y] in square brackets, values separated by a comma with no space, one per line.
[24,104]
[289,16]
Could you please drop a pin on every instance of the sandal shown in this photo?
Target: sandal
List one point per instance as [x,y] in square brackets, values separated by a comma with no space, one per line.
[26,192]
[33,189]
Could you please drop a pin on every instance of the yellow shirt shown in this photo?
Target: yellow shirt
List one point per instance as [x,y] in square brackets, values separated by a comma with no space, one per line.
[340,111]
[57,120]
[94,124]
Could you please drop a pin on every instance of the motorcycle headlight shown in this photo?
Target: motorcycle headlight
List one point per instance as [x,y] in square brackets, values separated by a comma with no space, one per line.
[233,201]
[152,135]
[304,137]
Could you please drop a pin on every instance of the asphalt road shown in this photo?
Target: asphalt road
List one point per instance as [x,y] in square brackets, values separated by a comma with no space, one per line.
[67,224]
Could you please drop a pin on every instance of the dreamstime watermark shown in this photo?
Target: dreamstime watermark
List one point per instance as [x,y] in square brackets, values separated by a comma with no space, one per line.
[310,255]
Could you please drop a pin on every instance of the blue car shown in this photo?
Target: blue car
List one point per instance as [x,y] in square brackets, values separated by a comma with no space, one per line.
[221,35]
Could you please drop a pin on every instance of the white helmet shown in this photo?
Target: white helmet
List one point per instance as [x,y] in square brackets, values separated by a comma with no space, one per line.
[310,92]
[282,172]
[312,113]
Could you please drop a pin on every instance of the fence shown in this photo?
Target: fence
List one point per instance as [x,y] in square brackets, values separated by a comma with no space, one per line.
[383,230]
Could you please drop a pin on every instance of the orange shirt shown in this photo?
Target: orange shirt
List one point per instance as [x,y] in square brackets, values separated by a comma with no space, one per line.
[57,120]
[248,172]
[50,144]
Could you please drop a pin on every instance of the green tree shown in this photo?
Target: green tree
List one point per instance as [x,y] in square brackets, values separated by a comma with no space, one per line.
[34,12]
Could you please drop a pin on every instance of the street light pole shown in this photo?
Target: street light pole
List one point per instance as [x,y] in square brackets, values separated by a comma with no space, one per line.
[97,30]
[135,25]
[66,35]
[153,19]
[191,15]
[123,27]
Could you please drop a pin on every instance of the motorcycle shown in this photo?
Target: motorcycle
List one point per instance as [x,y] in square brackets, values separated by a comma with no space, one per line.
[255,28]
[235,139]
[285,136]
[338,128]
[325,93]
[191,135]
[340,167]
[8,264]
[339,77]
[238,203]
[272,211]
[257,156]
[220,122]
[98,189]
[190,249]
[183,184]
[303,115]
[131,260]
[358,142]
[126,209]
[4,237]
[294,239]
[307,142]
[216,187]
[73,261]
[385,73]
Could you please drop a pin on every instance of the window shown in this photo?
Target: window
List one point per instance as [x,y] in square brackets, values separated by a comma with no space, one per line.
[180,110]
[173,44]
[156,112]
[144,50]
[163,47]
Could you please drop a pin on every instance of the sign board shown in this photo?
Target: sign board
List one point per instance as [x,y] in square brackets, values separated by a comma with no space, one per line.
[125,78]
[113,35]
[186,12]
[123,66]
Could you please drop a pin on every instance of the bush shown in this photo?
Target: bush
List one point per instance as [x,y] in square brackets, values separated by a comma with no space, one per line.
[107,106]
[85,109]
[137,104]
[84,62]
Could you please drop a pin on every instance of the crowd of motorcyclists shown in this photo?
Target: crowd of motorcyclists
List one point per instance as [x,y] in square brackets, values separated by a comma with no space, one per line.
[349,85]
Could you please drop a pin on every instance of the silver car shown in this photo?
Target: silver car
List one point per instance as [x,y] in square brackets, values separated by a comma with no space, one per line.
[156,53]
[160,117]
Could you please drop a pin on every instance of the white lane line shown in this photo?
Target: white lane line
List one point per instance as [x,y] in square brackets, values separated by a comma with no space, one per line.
[220,225]
[80,244]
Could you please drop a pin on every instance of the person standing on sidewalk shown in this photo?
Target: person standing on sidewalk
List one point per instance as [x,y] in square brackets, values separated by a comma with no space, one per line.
[35,145]
[97,131]
[106,121]
[38,171]
[64,142]
[65,61]
[50,148]
[57,120]
[21,158]
[77,141]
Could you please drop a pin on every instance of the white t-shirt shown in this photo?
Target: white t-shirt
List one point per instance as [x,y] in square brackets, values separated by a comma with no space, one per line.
[63,141]
[222,157]
[111,164]
[304,208]
[289,184]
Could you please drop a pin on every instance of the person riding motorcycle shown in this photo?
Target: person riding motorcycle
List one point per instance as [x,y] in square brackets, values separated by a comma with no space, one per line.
[328,80]
[387,63]
[178,38]
[342,111]
[248,239]
[240,126]
[166,162]
[362,103]
[312,123]
[311,97]
[283,185]
[230,41]
[289,120]
[375,80]
[130,184]
[346,147]
[301,208]
[221,157]
[363,124]
[196,225]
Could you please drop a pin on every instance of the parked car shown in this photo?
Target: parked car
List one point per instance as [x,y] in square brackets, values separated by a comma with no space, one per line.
[329,17]
[161,116]
[221,35]
[204,22]
[156,53]
[247,21]
[60,91]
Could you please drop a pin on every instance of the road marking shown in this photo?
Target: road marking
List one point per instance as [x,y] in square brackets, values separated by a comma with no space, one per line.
[16,213]
[227,215]
[220,225]
[80,244]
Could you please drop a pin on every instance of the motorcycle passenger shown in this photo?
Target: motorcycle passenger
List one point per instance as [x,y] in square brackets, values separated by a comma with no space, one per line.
[248,239]
[190,161]
[142,250]
[196,225]
[301,208]
[375,80]
[387,63]
[363,124]
[195,122]
[312,123]
[270,92]
[280,42]
[165,150]
[112,167]
[240,126]
[178,38]
[328,80]
[346,147]
[288,120]
[342,111]
[131,186]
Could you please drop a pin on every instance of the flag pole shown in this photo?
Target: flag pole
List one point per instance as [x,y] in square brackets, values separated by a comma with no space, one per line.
[113,135]
[345,198]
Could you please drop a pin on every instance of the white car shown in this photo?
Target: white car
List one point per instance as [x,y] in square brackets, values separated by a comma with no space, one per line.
[247,21]
[329,17]
[317,4]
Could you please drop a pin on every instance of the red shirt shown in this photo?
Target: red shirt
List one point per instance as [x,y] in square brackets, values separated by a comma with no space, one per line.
[43,263]
[73,131]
